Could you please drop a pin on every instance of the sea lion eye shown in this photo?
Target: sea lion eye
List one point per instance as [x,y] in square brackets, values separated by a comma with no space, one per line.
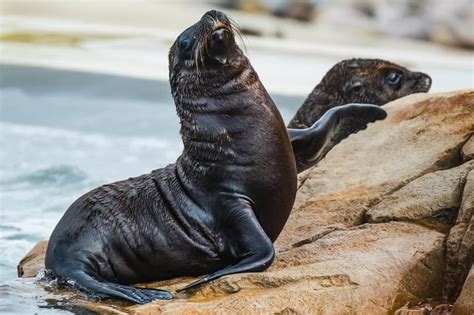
[394,78]
[184,44]
[356,87]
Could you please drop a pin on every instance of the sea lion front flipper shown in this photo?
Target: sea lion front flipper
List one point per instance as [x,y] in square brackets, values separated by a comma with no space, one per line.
[310,145]
[245,241]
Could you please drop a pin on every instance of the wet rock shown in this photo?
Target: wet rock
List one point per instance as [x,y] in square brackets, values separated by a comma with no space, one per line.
[432,199]
[460,243]
[33,261]
[465,303]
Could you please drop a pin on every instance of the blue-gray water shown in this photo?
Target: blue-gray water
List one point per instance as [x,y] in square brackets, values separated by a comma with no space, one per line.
[63,133]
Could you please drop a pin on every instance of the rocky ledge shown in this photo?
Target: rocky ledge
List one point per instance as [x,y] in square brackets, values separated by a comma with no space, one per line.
[382,225]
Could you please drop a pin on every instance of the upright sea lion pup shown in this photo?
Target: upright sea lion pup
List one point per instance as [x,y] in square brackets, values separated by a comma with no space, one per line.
[370,81]
[219,208]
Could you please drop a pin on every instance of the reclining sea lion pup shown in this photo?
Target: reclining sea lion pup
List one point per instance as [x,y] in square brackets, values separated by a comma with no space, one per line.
[218,209]
[372,81]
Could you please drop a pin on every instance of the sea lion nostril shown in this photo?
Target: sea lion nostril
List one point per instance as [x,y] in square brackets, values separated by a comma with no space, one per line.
[219,35]
[425,80]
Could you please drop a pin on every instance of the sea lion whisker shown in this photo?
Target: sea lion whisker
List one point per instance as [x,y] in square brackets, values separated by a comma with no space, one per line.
[236,29]
[197,53]
[205,48]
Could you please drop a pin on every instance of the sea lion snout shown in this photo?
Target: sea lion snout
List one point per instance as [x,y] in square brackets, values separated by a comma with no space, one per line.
[213,21]
[221,39]
[424,82]
[221,43]
[418,82]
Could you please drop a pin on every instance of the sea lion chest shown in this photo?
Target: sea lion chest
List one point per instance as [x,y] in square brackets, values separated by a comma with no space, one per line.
[245,154]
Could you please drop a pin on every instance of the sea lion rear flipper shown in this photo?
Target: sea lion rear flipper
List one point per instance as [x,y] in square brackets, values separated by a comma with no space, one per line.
[101,289]
[310,145]
[247,242]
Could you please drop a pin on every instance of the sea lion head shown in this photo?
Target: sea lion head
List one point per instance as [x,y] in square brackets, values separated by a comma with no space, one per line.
[205,54]
[376,81]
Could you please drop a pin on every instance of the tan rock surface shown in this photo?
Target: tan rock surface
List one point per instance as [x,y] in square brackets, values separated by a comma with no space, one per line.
[432,199]
[371,269]
[465,303]
[460,243]
[468,149]
[325,263]
[423,133]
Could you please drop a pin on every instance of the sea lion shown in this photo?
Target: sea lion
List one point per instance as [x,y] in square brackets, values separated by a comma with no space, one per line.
[372,81]
[220,207]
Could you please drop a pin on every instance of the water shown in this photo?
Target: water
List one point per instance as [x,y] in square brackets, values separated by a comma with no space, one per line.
[63,133]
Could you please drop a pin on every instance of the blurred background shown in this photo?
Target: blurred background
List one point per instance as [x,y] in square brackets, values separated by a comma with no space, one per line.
[84,96]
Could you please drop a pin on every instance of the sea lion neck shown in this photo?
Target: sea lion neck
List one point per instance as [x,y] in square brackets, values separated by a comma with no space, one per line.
[213,113]
[317,103]
[213,95]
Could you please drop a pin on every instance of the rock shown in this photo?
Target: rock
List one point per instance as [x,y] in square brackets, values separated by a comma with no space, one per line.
[467,151]
[423,133]
[465,303]
[442,309]
[382,261]
[329,259]
[33,261]
[425,308]
[432,199]
[460,243]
